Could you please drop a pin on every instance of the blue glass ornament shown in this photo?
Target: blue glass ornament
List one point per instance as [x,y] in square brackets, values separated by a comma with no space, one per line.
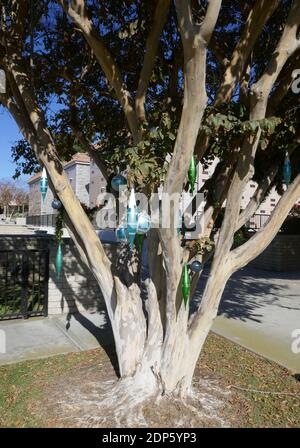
[132,218]
[56,204]
[118,181]
[58,260]
[44,184]
[121,234]
[144,223]
[287,170]
[196,266]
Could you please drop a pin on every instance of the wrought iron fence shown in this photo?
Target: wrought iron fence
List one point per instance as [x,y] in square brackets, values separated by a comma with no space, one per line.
[41,220]
[24,278]
[257,221]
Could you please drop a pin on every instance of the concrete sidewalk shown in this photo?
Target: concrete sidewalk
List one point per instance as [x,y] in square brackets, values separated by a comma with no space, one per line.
[260,310]
[42,337]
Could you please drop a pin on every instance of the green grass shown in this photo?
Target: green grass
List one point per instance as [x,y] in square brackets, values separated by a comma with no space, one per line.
[24,383]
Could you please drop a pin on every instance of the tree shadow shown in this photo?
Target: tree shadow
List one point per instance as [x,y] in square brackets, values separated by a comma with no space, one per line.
[249,291]
[81,298]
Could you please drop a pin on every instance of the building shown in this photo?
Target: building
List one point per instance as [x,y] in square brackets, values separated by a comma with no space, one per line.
[78,171]
[88,182]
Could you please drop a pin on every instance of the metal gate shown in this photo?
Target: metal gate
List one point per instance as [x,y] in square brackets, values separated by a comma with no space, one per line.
[24,278]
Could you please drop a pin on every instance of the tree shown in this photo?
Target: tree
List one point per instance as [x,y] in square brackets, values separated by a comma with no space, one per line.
[12,195]
[137,82]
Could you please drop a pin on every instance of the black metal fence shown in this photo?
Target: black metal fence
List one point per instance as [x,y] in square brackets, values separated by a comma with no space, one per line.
[24,278]
[41,220]
[257,221]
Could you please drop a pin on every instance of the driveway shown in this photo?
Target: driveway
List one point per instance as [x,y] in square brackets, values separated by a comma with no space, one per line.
[260,310]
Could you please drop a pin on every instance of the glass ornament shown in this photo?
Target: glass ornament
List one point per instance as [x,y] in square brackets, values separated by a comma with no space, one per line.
[132,218]
[144,223]
[121,234]
[196,266]
[287,170]
[58,260]
[185,284]
[44,184]
[56,204]
[118,181]
[192,174]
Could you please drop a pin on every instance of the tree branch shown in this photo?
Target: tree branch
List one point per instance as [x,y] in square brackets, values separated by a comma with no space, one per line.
[76,10]
[161,14]
[257,244]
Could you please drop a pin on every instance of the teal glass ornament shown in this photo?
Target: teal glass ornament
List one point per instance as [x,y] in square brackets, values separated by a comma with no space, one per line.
[44,184]
[192,174]
[122,235]
[132,218]
[196,266]
[58,260]
[287,170]
[144,223]
[185,284]
[56,204]
[118,181]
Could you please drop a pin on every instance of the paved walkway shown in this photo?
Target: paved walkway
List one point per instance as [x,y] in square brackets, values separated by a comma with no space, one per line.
[259,310]
[39,337]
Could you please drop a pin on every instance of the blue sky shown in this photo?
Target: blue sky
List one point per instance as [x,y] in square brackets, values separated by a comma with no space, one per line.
[9,133]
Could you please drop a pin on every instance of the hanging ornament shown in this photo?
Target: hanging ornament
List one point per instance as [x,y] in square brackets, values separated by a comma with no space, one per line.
[44,184]
[287,170]
[192,174]
[196,266]
[58,260]
[118,181]
[56,204]
[185,284]
[140,240]
[122,234]
[144,223]
[132,218]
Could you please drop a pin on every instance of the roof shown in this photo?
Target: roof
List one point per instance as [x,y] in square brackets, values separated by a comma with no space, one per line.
[79,157]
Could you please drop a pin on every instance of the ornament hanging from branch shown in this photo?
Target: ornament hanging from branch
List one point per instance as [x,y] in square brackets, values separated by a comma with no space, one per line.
[192,174]
[44,184]
[121,234]
[140,240]
[196,266]
[56,204]
[118,181]
[59,260]
[144,223]
[185,284]
[132,218]
[287,170]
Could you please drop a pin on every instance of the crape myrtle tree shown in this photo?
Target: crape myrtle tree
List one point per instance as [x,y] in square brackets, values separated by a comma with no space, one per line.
[135,84]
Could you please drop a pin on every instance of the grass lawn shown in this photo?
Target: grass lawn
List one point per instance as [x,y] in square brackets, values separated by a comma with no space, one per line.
[24,387]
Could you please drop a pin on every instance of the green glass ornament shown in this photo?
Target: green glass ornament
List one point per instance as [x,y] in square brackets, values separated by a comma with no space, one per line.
[192,174]
[185,284]
[58,260]
[140,239]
